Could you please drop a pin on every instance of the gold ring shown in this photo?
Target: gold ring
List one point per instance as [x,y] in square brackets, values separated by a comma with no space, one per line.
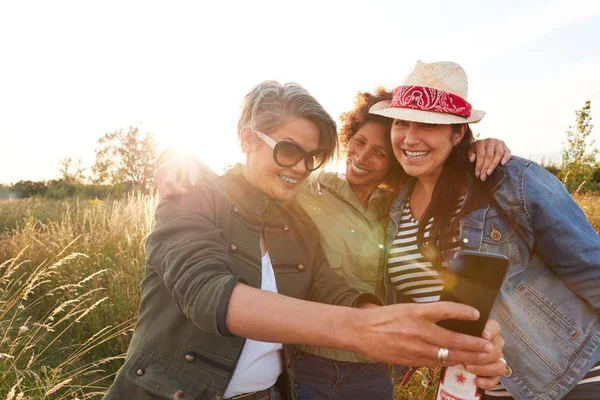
[442,355]
[507,370]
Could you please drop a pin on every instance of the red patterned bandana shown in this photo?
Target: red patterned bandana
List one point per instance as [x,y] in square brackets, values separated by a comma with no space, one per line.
[430,99]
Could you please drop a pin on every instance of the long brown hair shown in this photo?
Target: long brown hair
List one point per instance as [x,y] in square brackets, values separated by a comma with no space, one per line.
[450,186]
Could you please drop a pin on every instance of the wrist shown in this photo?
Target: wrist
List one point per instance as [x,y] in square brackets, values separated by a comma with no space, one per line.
[349,327]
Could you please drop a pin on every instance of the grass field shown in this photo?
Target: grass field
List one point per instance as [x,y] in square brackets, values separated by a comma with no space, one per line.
[70,275]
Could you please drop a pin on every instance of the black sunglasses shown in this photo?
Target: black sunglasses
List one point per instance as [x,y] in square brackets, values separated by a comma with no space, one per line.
[287,154]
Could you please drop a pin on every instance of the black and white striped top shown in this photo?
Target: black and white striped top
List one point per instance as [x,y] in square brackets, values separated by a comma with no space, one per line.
[409,271]
[415,277]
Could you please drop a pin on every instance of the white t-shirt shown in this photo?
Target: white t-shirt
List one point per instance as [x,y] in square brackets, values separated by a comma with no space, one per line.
[259,365]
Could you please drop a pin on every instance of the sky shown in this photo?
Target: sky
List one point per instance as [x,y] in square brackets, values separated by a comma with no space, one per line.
[70,71]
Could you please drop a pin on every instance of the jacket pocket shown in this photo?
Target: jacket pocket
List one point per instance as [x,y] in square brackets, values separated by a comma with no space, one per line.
[153,374]
[211,362]
[547,311]
[290,267]
[335,259]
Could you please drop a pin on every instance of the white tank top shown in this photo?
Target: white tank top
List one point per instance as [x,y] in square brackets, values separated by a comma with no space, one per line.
[259,365]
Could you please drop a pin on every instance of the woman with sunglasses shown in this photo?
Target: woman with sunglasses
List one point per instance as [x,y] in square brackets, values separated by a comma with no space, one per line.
[350,211]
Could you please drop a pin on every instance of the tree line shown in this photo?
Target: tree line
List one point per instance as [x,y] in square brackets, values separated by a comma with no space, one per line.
[125,161]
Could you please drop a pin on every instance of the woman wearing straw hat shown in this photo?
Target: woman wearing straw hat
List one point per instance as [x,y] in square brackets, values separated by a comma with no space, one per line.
[549,303]
[350,212]
[231,264]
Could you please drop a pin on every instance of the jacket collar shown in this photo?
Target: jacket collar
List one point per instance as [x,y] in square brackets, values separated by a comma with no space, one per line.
[242,194]
[379,204]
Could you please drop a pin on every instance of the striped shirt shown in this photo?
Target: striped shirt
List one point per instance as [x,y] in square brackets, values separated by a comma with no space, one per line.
[409,271]
[415,277]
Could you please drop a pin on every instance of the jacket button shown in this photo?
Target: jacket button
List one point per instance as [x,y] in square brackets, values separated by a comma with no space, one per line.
[286,228]
[300,267]
[233,248]
[190,357]
[140,372]
[496,235]
[235,210]
[179,394]
[465,240]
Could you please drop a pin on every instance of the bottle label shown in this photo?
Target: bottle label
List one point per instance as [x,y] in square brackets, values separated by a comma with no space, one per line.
[456,383]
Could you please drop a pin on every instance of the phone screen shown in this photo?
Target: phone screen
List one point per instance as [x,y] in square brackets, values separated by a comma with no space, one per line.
[475,279]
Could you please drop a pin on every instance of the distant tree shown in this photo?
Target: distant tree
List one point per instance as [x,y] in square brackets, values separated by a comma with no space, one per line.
[25,189]
[125,156]
[596,175]
[70,169]
[579,158]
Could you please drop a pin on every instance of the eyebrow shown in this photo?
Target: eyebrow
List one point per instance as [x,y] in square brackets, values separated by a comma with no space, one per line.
[378,146]
[289,139]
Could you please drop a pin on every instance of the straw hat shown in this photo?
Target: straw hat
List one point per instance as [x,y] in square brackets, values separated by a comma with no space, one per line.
[434,93]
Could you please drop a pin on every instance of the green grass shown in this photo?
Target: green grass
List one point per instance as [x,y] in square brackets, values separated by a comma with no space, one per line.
[93,250]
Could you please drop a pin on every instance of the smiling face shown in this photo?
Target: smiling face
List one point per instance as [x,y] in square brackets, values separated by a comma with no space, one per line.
[422,149]
[370,155]
[265,174]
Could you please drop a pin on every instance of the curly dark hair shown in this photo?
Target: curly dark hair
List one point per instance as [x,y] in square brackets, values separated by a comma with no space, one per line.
[354,119]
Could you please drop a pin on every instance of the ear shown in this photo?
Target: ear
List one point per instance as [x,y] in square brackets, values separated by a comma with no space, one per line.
[459,134]
[247,140]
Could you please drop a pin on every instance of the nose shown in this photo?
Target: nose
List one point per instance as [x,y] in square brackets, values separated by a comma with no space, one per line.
[412,135]
[300,168]
[360,155]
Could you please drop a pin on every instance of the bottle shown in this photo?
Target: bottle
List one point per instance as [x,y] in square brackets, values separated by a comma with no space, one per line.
[456,383]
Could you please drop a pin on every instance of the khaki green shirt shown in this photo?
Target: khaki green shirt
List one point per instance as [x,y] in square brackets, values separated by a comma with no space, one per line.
[352,238]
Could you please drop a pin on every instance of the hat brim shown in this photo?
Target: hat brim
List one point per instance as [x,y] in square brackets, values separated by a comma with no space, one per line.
[428,117]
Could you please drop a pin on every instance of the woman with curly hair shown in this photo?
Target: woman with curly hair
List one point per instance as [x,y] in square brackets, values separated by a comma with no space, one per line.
[350,211]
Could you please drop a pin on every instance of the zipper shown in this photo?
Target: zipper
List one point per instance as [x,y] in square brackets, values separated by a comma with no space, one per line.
[237,360]
[209,361]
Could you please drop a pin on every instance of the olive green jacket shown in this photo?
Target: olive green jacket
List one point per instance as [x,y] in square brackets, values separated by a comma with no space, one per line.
[203,244]
[352,238]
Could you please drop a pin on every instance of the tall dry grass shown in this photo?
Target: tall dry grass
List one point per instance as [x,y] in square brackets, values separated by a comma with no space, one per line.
[108,238]
[38,358]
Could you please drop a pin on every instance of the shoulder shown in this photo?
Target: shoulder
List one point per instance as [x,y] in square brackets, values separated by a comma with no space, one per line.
[520,169]
[201,199]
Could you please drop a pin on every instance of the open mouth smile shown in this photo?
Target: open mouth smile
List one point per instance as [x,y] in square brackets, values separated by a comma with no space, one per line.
[415,155]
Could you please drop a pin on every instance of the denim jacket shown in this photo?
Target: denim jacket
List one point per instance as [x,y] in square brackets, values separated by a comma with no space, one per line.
[549,303]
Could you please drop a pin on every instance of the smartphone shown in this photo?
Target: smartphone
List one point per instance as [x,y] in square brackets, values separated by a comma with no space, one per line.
[474,279]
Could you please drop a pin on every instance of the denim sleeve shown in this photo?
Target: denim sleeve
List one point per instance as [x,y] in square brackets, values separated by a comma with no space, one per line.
[563,235]
[190,255]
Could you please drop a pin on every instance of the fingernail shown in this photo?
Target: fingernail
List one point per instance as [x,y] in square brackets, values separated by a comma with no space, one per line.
[486,335]
[477,174]
[483,177]
[476,314]
[470,368]
[489,348]
[489,171]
